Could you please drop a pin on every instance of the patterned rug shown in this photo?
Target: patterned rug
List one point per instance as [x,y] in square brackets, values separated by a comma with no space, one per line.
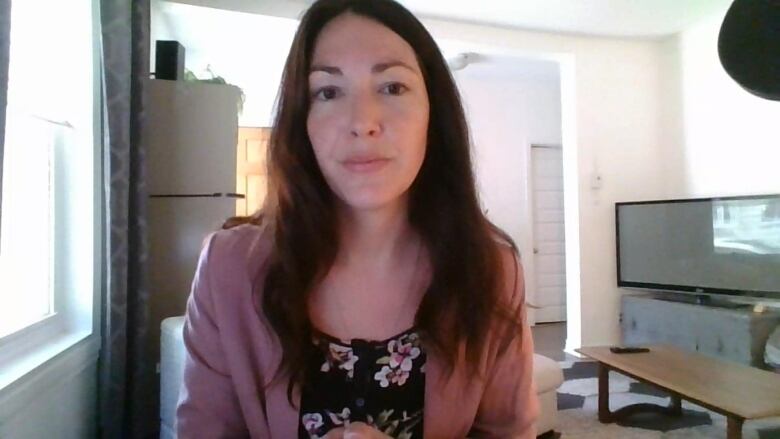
[578,411]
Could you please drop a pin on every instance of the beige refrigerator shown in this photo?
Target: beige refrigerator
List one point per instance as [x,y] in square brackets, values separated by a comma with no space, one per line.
[190,133]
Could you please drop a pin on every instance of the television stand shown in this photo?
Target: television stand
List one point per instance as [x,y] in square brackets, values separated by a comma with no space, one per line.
[707,300]
[736,334]
[704,300]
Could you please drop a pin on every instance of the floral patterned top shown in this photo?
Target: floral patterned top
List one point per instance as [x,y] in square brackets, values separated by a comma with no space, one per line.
[380,383]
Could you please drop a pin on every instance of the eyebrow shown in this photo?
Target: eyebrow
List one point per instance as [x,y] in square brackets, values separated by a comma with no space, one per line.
[377,68]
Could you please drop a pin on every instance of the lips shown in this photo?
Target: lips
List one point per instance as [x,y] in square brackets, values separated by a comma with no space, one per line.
[365,164]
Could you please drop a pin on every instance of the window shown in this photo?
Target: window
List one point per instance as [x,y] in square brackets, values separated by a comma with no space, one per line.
[26,250]
[50,236]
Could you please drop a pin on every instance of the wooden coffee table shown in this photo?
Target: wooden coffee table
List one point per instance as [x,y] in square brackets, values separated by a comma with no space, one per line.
[736,391]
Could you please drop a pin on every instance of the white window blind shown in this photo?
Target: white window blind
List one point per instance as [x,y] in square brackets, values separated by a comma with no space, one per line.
[26,250]
[50,162]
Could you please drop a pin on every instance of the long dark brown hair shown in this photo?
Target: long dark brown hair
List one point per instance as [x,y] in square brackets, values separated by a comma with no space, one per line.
[465,293]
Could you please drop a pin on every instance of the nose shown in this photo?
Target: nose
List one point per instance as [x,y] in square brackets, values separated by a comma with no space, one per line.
[366,117]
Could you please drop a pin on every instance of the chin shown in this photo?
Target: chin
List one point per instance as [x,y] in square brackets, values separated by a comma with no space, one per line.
[371,201]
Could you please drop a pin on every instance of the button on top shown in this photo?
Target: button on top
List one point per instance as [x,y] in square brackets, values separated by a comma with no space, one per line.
[360,402]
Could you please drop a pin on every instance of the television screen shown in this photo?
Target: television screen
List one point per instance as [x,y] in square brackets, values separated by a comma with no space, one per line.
[715,245]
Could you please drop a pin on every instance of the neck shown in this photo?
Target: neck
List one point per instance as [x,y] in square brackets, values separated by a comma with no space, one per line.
[374,238]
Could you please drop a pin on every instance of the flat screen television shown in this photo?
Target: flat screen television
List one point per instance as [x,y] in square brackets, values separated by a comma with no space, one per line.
[728,245]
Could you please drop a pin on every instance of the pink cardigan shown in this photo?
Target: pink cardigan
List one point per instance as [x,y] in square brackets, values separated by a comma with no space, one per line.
[231,353]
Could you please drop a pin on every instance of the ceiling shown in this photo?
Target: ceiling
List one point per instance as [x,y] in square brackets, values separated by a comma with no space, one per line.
[241,24]
[208,33]
[609,18]
[615,18]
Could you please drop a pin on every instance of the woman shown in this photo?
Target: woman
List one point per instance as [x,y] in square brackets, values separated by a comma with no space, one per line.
[370,297]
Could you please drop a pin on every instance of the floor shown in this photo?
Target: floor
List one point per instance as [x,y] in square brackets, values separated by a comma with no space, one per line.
[550,341]
[578,411]
[578,403]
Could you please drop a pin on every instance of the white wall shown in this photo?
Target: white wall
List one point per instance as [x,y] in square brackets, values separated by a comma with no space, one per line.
[506,114]
[505,117]
[59,403]
[543,100]
[722,140]
[615,94]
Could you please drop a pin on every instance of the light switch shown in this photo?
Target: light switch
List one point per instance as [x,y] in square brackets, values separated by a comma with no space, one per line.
[595,181]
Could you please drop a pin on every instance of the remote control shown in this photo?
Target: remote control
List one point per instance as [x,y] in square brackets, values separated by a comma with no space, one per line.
[627,350]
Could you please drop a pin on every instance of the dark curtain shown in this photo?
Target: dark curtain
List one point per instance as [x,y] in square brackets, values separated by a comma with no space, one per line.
[128,384]
[5,30]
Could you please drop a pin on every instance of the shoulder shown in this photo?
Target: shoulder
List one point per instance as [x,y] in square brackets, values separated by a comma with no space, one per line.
[511,267]
[505,245]
[237,251]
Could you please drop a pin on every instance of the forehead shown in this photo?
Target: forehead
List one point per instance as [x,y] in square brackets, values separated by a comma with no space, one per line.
[350,37]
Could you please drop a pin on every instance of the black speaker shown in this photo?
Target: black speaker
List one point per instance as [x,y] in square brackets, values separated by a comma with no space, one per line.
[169,60]
[749,46]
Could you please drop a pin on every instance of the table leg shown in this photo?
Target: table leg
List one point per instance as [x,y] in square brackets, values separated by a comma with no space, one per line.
[675,406]
[734,428]
[605,415]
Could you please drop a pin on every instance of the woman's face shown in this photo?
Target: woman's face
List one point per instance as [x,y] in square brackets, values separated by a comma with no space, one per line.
[368,120]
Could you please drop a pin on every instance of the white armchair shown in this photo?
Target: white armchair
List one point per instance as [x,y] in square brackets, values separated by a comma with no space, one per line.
[548,376]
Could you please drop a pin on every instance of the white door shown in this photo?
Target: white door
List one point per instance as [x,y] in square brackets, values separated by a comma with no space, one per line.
[549,240]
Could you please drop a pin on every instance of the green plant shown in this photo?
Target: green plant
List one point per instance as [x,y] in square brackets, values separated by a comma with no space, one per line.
[215,79]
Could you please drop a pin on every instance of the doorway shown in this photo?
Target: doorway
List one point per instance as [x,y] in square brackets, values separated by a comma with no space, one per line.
[549,238]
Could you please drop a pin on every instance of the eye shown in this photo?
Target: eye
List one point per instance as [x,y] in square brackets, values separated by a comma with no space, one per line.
[326,93]
[395,88]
